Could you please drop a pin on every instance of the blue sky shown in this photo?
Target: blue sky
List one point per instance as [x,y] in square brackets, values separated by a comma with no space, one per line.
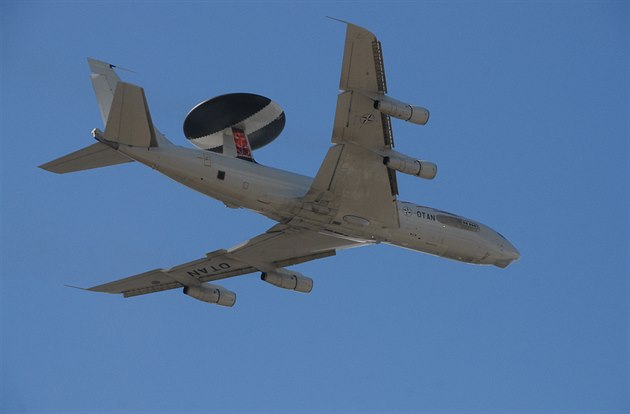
[529,127]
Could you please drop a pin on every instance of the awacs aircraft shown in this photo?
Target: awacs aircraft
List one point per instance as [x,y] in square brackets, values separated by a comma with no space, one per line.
[351,202]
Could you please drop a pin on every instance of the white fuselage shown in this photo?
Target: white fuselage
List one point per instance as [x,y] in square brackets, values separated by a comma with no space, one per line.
[278,195]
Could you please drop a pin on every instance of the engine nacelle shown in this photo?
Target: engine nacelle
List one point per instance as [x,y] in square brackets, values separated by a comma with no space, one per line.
[408,165]
[288,280]
[410,113]
[211,294]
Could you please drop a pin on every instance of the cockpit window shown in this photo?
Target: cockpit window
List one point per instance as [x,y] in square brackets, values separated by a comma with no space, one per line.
[457,222]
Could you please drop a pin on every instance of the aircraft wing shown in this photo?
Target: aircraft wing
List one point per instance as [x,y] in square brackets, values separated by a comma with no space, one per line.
[282,245]
[353,181]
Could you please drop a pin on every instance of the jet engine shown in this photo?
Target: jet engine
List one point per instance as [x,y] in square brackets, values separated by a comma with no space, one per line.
[411,166]
[211,294]
[288,280]
[410,113]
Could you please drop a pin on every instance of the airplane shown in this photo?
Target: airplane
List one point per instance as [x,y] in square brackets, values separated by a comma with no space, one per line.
[351,202]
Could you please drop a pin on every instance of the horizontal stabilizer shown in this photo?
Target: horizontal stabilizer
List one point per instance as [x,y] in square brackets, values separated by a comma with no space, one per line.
[95,156]
[129,121]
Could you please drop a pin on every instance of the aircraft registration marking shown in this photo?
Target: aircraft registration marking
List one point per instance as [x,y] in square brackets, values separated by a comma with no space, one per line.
[420,214]
[202,271]
[425,215]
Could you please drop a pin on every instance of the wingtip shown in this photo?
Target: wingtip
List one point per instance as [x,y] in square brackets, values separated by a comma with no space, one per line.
[49,166]
[76,287]
[351,24]
[339,20]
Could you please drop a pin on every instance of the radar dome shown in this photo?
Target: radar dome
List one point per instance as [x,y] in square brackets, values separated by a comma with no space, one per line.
[260,118]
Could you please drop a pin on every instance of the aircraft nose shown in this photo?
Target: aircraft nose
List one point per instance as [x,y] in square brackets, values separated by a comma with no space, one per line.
[506,253]
[512,253]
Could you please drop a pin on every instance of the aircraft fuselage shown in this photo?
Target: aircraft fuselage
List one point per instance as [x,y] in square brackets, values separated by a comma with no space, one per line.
[278,195]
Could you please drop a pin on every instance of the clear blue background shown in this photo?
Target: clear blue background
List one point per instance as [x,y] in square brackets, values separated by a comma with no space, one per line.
[529,126]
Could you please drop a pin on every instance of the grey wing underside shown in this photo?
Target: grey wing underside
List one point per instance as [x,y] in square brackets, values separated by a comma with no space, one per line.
[353,181]
[280,246]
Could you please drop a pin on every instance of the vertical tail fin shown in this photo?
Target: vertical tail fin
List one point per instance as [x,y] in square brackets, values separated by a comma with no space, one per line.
[128,123]
[129,120]
[105,82]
